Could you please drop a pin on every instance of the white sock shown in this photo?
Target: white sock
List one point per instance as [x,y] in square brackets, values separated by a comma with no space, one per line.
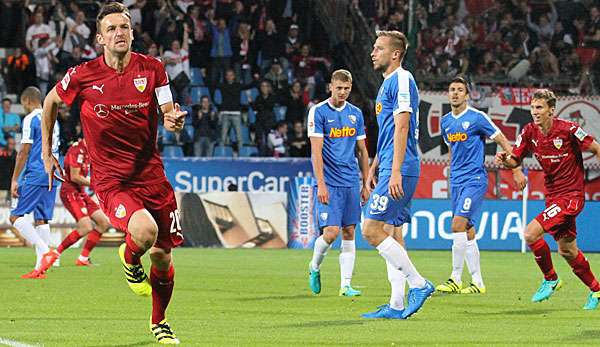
[396,255]
[347,257]
[473,263]
[319,252]
[28,232]
[44,232]
[397,280]
[459,249]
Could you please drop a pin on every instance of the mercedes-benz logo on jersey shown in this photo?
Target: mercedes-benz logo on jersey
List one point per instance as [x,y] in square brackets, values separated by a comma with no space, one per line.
[101,110]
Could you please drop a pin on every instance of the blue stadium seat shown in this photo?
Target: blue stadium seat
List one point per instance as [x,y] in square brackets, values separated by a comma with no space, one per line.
[280,112]
[172,151]
[197,78]
[223,151]
[168,137]
[246,135]
[251,115]
[198,92]
[217,97]
[189,115]
[189,129]
[249,151]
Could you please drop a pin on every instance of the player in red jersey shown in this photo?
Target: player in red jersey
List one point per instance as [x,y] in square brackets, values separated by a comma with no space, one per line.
[81,206]
[120,93]
[557,145]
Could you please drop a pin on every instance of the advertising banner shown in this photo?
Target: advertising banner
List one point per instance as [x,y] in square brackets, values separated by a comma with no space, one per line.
[302,227]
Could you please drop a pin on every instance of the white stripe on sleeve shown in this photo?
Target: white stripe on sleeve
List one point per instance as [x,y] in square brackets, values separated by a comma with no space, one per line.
[311,123]
[403,92]
[26,137]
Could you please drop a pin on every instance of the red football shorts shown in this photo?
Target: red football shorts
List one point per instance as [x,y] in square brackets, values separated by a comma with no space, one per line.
[558,219]
[78,204]
[119,204]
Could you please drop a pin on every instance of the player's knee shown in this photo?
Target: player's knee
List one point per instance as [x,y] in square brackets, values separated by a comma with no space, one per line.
[348,234]
[160,258]
[567,253]
[330,234]
[373,232]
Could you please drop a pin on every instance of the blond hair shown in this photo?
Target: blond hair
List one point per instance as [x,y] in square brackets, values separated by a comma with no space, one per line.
[545,94]
[341,75]
[398,40]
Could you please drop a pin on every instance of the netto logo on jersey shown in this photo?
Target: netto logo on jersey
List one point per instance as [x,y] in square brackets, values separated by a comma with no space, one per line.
[343,132]
[457,137]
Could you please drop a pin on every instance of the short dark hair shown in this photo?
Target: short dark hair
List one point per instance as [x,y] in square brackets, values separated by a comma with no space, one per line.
[7,99]
[110,8]
[460,79]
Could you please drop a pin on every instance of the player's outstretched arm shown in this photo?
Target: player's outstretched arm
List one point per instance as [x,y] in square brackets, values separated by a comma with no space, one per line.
[49,114]
[174,117]
[316,148]
[518,175]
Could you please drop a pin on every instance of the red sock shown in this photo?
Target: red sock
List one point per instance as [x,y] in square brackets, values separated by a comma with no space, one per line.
[133,252]
[92,239]
[581,268]
[543,258]
[68,241]
[162,288]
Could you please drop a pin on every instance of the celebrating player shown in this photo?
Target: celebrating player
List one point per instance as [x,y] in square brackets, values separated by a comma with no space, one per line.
[464,130]
[337,137]
[32,193]
[557,145]
[85,210]
[397,111]
[119,94]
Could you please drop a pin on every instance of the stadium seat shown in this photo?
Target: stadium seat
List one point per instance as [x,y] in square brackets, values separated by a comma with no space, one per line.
[168,137]
[172,151]
[251,116]
[249,151]
[198,92]
[217,97]
[189,115]
[246,135]
[197,78]
[189,129]
[248,95]
[223,151]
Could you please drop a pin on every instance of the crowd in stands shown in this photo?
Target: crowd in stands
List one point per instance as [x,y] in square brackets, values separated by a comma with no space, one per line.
[522,42]
[248,70]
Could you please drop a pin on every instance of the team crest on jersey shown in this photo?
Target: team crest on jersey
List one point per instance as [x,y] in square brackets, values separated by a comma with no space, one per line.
[378,108]
[324,215]
[120,212]
[557,143]
[84,210]
[352,118]
[140,84]
[465,125]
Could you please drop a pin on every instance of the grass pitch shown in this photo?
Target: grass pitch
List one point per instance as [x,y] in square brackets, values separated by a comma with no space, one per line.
[261,298]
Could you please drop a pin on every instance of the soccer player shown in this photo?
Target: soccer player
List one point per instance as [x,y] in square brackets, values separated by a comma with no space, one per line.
[464,129]
[32,193]
[119,93]
[557,144]
[81,206]
[337,137]
[397,159]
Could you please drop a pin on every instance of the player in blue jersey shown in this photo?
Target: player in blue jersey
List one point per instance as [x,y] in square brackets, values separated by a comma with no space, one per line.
[465,130]
[337,137]
[397,160]
[30,190]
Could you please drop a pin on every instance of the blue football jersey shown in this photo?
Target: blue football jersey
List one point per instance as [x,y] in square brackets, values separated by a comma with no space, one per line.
[34,172]
[340,128]
[398,93]
[465,134]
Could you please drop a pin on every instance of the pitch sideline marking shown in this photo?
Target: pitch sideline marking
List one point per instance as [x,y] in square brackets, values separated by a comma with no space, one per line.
[13,343]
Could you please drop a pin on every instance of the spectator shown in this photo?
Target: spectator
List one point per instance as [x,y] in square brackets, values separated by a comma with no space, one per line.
[298,141]
[177,64]
[292,43]
[205,128]
[592,34]
[278,139]
[77,34]
[278,79]
[18,66]
[265,117]
[296,101]
[243,53]
[10,122]
[38,30]
[270,42]
[221,51]
[44,61]
[305,68]
[230,109]
[545,29]
[8,157]
[199,39]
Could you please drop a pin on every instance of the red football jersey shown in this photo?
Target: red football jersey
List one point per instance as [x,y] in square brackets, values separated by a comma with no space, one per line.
[76,157]
[559,154]
[119,117]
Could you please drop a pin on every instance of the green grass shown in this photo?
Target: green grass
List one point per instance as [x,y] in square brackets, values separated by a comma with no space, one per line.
[261,297]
